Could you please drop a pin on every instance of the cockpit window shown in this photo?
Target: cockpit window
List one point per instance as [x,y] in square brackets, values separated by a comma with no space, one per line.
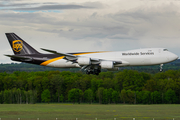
[165,49]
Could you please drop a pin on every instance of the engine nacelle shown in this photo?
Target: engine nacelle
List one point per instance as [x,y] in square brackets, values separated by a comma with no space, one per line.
[107,65]
[114,69]
[84,61]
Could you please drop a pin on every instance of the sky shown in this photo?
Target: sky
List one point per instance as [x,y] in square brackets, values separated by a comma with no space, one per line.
[91,25]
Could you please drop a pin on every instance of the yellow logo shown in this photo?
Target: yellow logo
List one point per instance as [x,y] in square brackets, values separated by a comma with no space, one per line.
[17,45]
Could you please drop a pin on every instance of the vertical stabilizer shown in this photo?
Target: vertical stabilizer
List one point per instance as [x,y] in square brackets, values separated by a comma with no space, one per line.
[19,46]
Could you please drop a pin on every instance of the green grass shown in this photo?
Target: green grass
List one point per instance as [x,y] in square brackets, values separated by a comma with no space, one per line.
[88,112]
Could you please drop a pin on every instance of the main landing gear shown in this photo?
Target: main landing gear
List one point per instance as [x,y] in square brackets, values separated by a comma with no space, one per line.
[93,71]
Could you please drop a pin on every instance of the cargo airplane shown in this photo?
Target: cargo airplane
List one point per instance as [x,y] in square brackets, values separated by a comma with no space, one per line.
[91,62]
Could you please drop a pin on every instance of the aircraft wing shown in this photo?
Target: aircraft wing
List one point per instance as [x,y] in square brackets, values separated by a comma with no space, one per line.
[55,52]
[69,57]
[75,58]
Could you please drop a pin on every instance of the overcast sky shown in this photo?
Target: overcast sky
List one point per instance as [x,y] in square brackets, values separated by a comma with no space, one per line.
[91,25]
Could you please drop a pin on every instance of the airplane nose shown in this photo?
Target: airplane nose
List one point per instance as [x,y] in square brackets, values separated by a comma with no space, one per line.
[176,57]
[173,56]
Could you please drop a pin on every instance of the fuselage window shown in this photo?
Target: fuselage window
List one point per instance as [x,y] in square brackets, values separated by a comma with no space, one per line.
[165,49]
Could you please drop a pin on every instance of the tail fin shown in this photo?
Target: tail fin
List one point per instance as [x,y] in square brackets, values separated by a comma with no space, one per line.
[19,46]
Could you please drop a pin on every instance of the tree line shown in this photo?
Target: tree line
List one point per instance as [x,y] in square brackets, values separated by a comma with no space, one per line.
[10,68]
[127,86]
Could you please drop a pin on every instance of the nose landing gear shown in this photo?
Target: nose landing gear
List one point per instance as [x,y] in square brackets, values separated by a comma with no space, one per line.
[161,67]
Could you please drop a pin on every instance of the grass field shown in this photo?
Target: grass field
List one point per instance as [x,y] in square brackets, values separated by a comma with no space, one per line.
[88,112]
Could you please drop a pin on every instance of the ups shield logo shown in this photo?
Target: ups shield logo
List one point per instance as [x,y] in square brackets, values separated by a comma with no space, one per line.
[17,45]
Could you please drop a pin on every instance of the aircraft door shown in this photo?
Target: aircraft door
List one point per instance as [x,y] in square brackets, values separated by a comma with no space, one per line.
[159,50]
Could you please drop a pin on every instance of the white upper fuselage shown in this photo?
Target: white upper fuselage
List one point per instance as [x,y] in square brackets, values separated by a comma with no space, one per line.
[137,57]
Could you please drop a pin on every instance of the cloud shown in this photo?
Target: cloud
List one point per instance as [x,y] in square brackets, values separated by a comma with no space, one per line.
[10,0]
[16,4]
[48,6]
[128,25]
[94,25]
[52,7]
[94,4]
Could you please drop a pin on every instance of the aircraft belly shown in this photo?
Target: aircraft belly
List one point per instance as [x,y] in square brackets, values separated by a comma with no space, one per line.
[134,61]
[160,60]
[137,61]
[62,64]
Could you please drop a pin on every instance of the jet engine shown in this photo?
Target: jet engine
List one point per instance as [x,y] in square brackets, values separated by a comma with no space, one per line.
[107,65]
[84,61]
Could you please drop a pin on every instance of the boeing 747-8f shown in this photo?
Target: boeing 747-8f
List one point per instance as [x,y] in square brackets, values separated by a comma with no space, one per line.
[91,62]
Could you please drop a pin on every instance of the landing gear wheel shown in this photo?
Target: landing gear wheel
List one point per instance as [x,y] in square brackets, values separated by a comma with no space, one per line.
[91,72]
[95,71]
[87,72]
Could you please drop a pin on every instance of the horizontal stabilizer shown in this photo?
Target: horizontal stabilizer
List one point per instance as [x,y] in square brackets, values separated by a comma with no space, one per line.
[18,57]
